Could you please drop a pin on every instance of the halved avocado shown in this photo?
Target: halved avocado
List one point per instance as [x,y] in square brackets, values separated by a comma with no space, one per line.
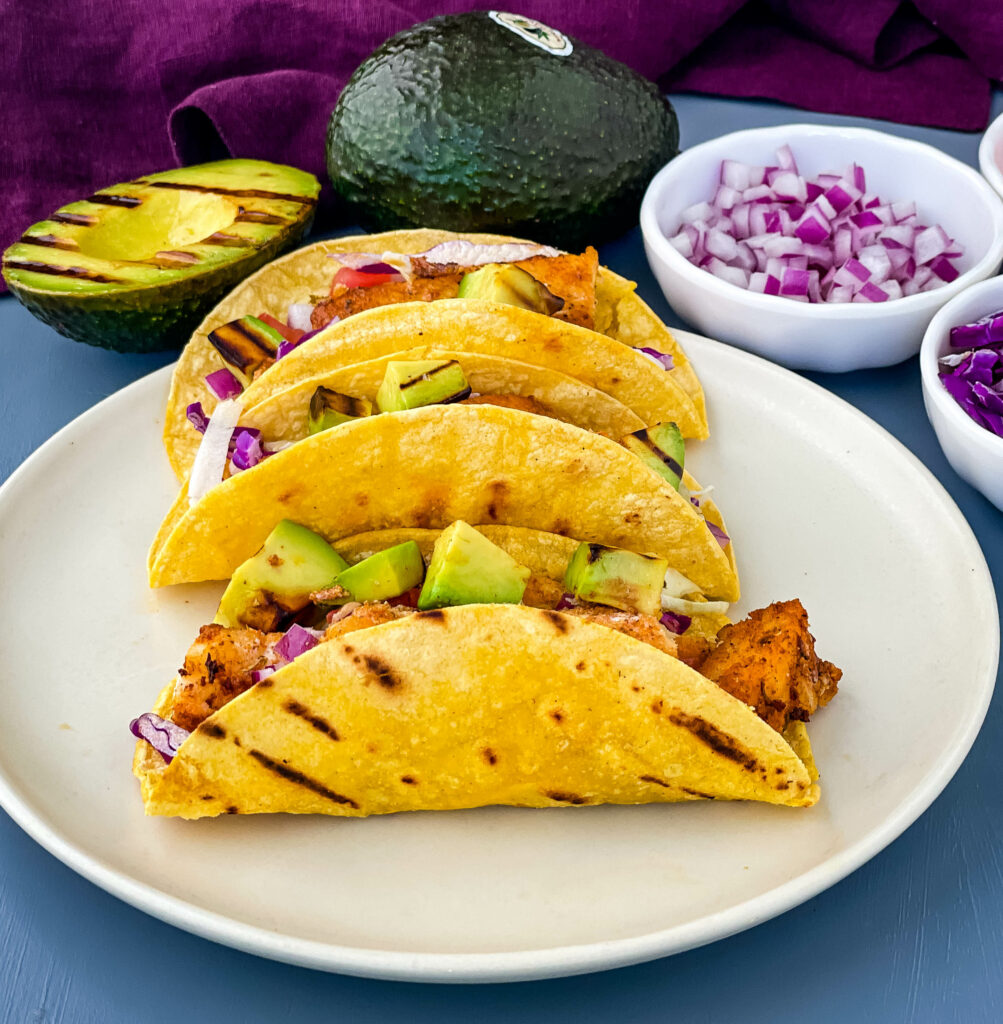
[136,266]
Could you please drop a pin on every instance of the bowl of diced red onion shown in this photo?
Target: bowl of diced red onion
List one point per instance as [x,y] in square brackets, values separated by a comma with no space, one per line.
[961,366]
[820,248]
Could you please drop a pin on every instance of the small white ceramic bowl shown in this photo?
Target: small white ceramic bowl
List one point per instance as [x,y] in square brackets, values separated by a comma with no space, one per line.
[822,336]
[991,155]
[975,453]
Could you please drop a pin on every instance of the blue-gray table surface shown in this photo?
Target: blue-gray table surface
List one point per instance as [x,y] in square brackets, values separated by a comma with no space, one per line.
[914,935]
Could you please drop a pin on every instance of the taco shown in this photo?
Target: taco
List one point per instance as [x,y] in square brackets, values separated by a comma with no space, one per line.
[593,300]
[431,465]
[470,682]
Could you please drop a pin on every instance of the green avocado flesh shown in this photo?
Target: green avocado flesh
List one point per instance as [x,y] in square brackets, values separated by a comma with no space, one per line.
[616,577]
[136,266]
[661,448]
[329,408]
[245,345]
[409,385]
[278,580]
[505,282]
[386,574]
[465,123]
[466,568]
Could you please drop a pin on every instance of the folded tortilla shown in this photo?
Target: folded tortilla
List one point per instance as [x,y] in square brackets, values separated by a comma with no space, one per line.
[281,414]
[431,466]
[620,315]
[467,707]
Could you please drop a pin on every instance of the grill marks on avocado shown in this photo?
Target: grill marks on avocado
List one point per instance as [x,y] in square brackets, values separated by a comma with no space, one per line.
[49,241]
[80,273]
[438,374]
[109,199]
[237,193]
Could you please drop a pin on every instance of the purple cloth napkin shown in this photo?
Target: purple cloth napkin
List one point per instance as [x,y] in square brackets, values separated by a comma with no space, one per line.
[98,92]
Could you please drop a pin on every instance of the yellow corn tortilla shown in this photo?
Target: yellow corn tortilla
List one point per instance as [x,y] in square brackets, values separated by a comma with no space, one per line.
[431,466]
[620,315]
[282,415]
[468,707]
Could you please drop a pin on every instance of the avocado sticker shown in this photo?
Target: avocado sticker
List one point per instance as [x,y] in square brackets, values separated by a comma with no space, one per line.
[535,32]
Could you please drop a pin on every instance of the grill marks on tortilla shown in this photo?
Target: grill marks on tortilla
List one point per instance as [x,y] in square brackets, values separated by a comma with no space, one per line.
[384,673]
[320,724]
[237,193]
[565,798]
[557,620]
[720,742]
[296,777]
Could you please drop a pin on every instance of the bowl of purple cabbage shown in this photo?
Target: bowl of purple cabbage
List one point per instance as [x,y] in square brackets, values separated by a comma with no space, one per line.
[961,363]
[821,248]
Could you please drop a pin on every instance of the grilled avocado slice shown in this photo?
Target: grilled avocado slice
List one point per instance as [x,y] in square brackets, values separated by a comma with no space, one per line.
[136,266]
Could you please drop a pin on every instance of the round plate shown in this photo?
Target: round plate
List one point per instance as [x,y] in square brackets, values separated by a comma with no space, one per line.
[823,505]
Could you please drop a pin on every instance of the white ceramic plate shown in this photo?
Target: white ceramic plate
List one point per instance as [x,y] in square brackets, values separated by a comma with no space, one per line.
[822,504]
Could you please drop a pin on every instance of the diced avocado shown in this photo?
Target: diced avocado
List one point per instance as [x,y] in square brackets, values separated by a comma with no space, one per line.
[466,568]
[386,574]
[505,282]
[408,385]
[246,345]
[662,448]
[278,580]
[136,266]
[329,408]
[617,577]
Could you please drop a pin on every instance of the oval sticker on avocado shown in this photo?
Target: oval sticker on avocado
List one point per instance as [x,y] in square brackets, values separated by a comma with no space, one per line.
[535,32]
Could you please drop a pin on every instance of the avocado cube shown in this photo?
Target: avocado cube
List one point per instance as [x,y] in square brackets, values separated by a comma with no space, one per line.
[386,574]
[277,581]
[246,345]
[408,385]
[505,282]
[329,408]
[661,448]
[466,568]
[617,577]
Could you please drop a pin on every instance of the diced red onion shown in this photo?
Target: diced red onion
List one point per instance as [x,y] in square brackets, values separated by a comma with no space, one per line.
[719,535]
[566,601]
[674,623]
[162,734]
[263,673]
[210,459]
[247,450]
[223,384]
[664,359]
[285,347]
[296,641]
[298,316]
[197,417]
[767,227]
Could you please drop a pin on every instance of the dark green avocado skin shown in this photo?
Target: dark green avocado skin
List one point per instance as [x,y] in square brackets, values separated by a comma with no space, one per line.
[459,123]
[153,318]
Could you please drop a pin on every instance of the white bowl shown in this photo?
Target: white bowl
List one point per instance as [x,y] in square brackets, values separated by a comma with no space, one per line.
[822,336]
[991,155]
[975,453]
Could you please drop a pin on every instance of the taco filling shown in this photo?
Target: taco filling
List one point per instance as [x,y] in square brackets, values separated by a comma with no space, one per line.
[297,593]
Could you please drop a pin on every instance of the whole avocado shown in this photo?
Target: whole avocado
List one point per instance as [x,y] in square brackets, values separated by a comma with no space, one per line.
[488,121]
